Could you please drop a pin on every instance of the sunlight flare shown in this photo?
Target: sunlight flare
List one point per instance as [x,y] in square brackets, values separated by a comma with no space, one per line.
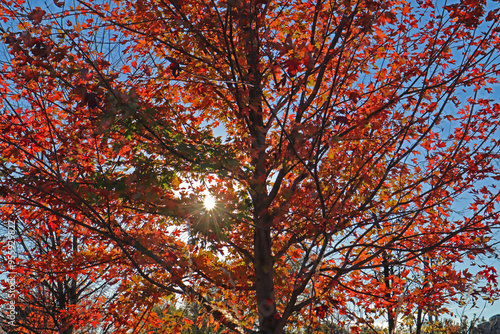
[209,202]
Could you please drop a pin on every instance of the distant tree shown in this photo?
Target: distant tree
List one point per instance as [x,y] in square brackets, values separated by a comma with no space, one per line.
[183,317]
[64,284]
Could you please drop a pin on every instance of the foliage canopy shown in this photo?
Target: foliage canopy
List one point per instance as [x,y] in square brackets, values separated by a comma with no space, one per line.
[340,139]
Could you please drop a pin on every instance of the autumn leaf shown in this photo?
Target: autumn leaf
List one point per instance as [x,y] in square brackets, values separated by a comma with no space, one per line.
[36,15]
[174,66]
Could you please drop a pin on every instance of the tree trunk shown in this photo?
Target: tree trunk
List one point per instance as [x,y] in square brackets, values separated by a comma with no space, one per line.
[418,329]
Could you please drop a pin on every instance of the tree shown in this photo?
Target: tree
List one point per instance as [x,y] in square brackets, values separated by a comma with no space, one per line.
[420,290]
[63,282]
[351,131]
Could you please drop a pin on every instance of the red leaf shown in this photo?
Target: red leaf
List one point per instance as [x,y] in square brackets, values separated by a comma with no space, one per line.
[341,119]
[292,66]
[36,15]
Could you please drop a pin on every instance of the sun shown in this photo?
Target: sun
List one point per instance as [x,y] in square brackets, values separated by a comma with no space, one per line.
[209,202]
